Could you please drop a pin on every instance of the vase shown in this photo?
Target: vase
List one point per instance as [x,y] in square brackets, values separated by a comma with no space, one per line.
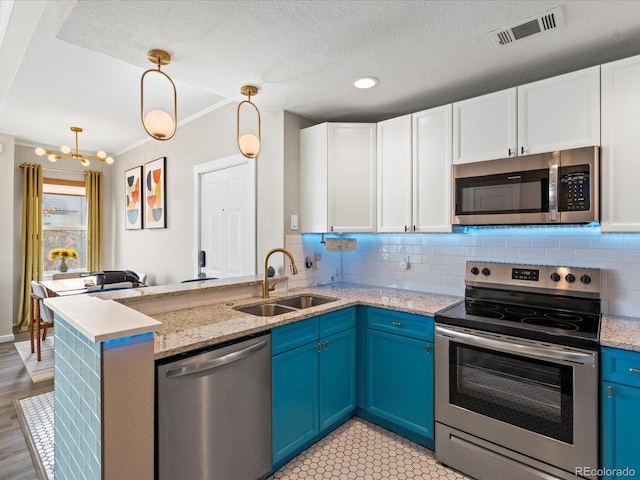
[63,267]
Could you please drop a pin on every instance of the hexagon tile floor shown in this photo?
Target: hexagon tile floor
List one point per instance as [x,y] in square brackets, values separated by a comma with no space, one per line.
[360,450]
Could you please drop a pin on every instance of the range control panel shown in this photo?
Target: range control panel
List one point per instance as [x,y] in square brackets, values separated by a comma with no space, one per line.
[571,280]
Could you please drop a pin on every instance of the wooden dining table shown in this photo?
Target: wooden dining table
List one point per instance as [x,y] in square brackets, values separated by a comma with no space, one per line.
[65,286]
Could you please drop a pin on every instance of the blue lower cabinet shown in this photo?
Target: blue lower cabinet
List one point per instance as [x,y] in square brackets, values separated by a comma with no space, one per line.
[314,385]
[295,400]
[337,378]
[620,404]
[399,384]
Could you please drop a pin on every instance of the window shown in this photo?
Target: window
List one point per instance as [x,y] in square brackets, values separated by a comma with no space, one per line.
[64,221]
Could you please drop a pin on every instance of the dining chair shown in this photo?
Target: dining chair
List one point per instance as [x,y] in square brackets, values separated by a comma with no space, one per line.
[41,317]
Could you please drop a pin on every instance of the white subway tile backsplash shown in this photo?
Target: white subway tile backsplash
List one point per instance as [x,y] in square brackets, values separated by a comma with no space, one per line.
[437,261]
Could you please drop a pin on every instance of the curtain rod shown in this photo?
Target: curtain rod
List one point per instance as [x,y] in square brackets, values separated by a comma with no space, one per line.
[59,170]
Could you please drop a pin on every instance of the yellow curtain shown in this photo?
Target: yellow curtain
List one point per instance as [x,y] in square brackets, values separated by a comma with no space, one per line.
[95,206]
[32,261]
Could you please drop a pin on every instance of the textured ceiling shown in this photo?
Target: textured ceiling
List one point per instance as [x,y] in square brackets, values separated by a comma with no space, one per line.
[83,63]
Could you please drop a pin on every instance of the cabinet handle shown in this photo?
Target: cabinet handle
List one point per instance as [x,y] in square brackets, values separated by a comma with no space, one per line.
[406,228]
[318,347]
[326,344]
[634,370]
[332,228]
[521,150]
[610,391]
[509,152]
[428,348]
[397,324]
[414,228]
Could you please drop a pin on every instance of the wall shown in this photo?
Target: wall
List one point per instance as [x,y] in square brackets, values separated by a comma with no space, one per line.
[437,261]
[7,238]
[168,255]
[292,126]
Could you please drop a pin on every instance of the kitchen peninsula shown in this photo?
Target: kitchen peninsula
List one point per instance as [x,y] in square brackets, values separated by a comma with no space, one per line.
[104,379]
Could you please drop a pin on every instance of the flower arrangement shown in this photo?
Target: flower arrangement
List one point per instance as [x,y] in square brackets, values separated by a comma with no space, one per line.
[63,253]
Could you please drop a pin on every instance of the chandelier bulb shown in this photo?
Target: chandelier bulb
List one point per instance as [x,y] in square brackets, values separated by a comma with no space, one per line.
[101,155]
[40,151]
[109,160]
[65,149]
[52,157]
[85,162]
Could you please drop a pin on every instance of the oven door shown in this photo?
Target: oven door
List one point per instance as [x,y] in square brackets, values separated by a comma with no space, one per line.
[537,400]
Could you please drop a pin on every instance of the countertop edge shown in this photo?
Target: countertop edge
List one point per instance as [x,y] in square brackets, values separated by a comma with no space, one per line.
[101,320]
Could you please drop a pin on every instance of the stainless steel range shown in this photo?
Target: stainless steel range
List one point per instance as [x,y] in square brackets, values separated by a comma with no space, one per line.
[517,373]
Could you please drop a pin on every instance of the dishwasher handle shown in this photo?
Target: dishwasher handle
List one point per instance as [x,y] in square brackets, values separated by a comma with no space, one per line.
[213,364]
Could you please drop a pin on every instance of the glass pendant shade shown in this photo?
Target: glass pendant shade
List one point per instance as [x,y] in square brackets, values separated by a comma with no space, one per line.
[249,145]
[159,124]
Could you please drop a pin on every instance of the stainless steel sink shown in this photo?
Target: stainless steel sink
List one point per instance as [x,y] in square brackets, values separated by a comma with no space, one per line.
[305,301]
[266,310]
[278,307]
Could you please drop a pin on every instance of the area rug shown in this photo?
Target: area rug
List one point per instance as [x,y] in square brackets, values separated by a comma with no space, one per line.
[35,415]
[42,370]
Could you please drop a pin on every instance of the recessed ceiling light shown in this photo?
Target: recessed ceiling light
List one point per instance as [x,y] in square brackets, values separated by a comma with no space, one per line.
[366,82]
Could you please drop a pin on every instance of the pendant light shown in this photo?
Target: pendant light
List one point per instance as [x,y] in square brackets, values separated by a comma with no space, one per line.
[159,124]
[248,143]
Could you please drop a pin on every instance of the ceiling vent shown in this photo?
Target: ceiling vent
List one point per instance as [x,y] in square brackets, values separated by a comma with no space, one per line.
[544,22]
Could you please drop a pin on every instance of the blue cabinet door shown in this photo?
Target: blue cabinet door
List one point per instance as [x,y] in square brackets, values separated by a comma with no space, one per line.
[620,430]
[337,377]
[295,400]
[400,381]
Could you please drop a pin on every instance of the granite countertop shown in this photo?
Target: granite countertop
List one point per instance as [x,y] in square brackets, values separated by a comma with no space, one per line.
[620,332]
[193,328]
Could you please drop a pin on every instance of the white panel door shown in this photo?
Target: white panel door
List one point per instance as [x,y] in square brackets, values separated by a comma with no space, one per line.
[485,128]
[620,149]
[560,112]
[227,221]
[394,175]
[432,138]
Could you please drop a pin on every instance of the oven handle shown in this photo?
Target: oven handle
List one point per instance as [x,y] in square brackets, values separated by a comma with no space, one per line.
[519,349]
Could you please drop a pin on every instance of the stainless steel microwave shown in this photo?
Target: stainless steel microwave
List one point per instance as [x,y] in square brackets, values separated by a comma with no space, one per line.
[546,188]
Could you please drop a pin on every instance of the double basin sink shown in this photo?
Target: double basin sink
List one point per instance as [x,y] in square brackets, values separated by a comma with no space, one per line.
[286,305]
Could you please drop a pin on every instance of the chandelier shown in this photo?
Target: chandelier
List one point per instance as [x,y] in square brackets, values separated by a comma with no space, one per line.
[65,152]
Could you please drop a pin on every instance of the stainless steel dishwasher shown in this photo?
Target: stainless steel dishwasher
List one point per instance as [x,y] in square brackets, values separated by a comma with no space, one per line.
[214,413]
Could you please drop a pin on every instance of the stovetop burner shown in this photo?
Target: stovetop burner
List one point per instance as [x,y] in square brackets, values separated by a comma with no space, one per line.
[530,302]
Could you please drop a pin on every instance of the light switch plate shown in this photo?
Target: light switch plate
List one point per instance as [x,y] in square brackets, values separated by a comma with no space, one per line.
[294,222]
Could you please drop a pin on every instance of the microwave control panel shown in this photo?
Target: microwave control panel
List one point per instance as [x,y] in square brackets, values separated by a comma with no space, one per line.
[574,189]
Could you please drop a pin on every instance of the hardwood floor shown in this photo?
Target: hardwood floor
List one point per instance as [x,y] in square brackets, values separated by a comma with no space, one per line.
[15,383]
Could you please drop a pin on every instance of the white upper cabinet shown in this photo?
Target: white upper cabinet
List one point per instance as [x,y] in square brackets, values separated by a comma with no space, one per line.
[394,175]
[338,178]
[560,112]
[432,140]
[620,148]
[552,114]
[414,172]
[484,128]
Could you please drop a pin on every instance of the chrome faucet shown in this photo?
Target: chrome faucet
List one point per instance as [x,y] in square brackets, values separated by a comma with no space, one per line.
[266,288]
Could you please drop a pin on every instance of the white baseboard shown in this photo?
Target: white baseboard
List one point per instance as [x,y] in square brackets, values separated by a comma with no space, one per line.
[7,338]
